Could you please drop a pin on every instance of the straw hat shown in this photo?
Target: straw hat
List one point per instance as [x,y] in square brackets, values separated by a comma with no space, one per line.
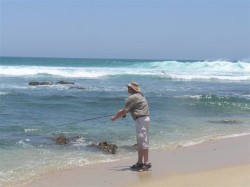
[134,86]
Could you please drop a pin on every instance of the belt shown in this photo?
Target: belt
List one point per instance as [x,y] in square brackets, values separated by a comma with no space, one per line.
[140,116]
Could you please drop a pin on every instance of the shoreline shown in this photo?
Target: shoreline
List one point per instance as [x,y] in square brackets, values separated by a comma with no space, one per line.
[194,165]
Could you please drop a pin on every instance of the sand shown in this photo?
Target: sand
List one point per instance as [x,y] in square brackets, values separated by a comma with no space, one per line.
[238,176]
[215,163]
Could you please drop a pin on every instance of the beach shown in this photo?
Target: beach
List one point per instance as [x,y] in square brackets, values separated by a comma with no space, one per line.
[65,71]
[42,99]
[215,163]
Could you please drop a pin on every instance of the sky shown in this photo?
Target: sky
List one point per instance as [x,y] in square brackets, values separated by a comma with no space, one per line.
[126,29]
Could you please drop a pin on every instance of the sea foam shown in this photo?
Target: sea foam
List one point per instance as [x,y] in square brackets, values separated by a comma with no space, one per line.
[200,70]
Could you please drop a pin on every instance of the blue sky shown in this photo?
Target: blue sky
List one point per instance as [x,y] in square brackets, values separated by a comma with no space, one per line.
[134,29]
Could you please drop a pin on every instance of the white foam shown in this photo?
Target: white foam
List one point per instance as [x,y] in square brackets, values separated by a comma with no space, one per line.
[3,93]
[208,138]
[24,143]
[207,70]
[30,130]
[189,96]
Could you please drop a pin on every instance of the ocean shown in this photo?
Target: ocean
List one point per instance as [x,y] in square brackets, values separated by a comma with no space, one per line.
[190,102]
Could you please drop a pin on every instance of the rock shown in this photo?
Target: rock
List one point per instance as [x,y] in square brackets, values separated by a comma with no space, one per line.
[109,148]
[34,83]
[104,146]
[229,121]
[62,140]
[77,87]
[64,82]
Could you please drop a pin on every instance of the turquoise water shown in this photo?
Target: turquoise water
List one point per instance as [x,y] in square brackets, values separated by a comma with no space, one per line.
[190,102]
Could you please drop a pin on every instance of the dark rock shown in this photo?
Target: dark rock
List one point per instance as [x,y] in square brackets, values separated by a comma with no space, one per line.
[64,82]
[104,146]
[109,148]
[62,140]
[77,87]
[227,121]
[34,83]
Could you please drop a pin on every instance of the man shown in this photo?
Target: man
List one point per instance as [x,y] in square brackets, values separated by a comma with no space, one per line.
[137,105]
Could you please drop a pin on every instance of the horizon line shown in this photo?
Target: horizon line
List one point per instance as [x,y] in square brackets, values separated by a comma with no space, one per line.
[140,59]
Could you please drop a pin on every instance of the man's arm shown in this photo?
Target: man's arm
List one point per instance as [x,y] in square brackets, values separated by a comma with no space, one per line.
[119,114]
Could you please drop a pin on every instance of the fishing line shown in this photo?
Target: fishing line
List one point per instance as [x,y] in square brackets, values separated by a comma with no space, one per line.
[88,119]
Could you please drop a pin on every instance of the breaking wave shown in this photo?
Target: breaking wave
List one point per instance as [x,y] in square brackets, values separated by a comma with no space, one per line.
[198,70]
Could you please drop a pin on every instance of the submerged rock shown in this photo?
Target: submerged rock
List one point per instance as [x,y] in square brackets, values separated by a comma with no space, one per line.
[62,140]
[64,82]
[104,146]
[77,87]
[34,83]
[227,121]
[71,85]
[110,148]
[231,121]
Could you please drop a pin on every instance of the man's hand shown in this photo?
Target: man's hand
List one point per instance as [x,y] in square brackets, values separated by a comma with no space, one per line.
[113,118]
[119,114]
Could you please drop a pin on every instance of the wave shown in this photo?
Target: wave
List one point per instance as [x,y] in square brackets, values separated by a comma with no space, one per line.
[199,65]
[206,139]
[3,93]
[199,70]
[218,103]
[215,98]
